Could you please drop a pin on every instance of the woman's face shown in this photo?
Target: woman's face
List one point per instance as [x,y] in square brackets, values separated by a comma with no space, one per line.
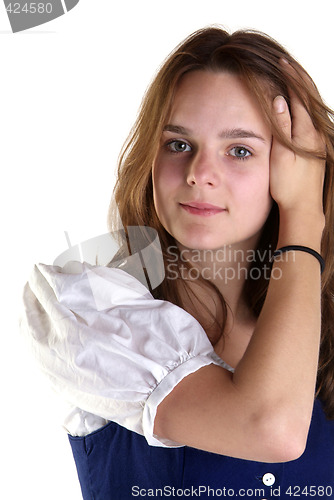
[211,173]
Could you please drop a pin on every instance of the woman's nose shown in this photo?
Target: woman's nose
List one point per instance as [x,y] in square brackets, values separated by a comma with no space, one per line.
[202,170]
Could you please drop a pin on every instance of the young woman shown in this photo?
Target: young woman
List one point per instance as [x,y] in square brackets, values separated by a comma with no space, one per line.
[220,381]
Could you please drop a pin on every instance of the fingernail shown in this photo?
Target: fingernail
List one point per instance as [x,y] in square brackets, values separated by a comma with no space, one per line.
[279,104]
[285,61]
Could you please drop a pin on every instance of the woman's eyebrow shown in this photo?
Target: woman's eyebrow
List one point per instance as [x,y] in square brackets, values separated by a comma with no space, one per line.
[234,133]
[176,129]
[240,133]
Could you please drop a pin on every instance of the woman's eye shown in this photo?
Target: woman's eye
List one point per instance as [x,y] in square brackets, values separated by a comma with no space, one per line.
[240,152]
[178,147]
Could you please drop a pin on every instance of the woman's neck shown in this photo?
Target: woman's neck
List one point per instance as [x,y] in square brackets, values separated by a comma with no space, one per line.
[227,268]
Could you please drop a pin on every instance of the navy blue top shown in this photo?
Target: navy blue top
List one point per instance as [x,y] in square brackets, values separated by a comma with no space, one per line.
[114,463]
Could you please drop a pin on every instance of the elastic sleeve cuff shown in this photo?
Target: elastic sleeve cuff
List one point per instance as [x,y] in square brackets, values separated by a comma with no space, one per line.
[162,390]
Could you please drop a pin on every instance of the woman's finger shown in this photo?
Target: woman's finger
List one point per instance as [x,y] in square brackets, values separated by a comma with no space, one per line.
[283,116]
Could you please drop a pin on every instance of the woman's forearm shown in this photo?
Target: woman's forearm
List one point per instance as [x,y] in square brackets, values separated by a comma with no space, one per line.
[279,367]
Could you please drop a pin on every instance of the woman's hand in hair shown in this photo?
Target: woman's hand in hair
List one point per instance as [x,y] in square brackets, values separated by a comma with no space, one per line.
[296,180]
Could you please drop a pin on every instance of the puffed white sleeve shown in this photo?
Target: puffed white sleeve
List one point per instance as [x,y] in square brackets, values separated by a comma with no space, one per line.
[107,345]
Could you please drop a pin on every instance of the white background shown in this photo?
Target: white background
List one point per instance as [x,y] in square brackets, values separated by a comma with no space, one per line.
[69,93]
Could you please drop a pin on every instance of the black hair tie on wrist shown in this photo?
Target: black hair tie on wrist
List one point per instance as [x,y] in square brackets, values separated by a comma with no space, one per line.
[301,248]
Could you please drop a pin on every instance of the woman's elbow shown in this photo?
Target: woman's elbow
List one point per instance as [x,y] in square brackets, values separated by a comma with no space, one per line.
[284,438]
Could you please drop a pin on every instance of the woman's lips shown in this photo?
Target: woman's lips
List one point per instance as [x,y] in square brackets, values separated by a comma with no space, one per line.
[203,209]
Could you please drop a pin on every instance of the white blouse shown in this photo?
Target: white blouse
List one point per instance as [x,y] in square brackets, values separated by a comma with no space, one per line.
[111,349]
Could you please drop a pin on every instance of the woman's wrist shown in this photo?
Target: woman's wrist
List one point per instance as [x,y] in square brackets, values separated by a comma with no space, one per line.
[301,228]
[300,248]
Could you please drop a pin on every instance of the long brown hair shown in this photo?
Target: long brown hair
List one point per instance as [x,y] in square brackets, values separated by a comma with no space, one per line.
[255,57]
